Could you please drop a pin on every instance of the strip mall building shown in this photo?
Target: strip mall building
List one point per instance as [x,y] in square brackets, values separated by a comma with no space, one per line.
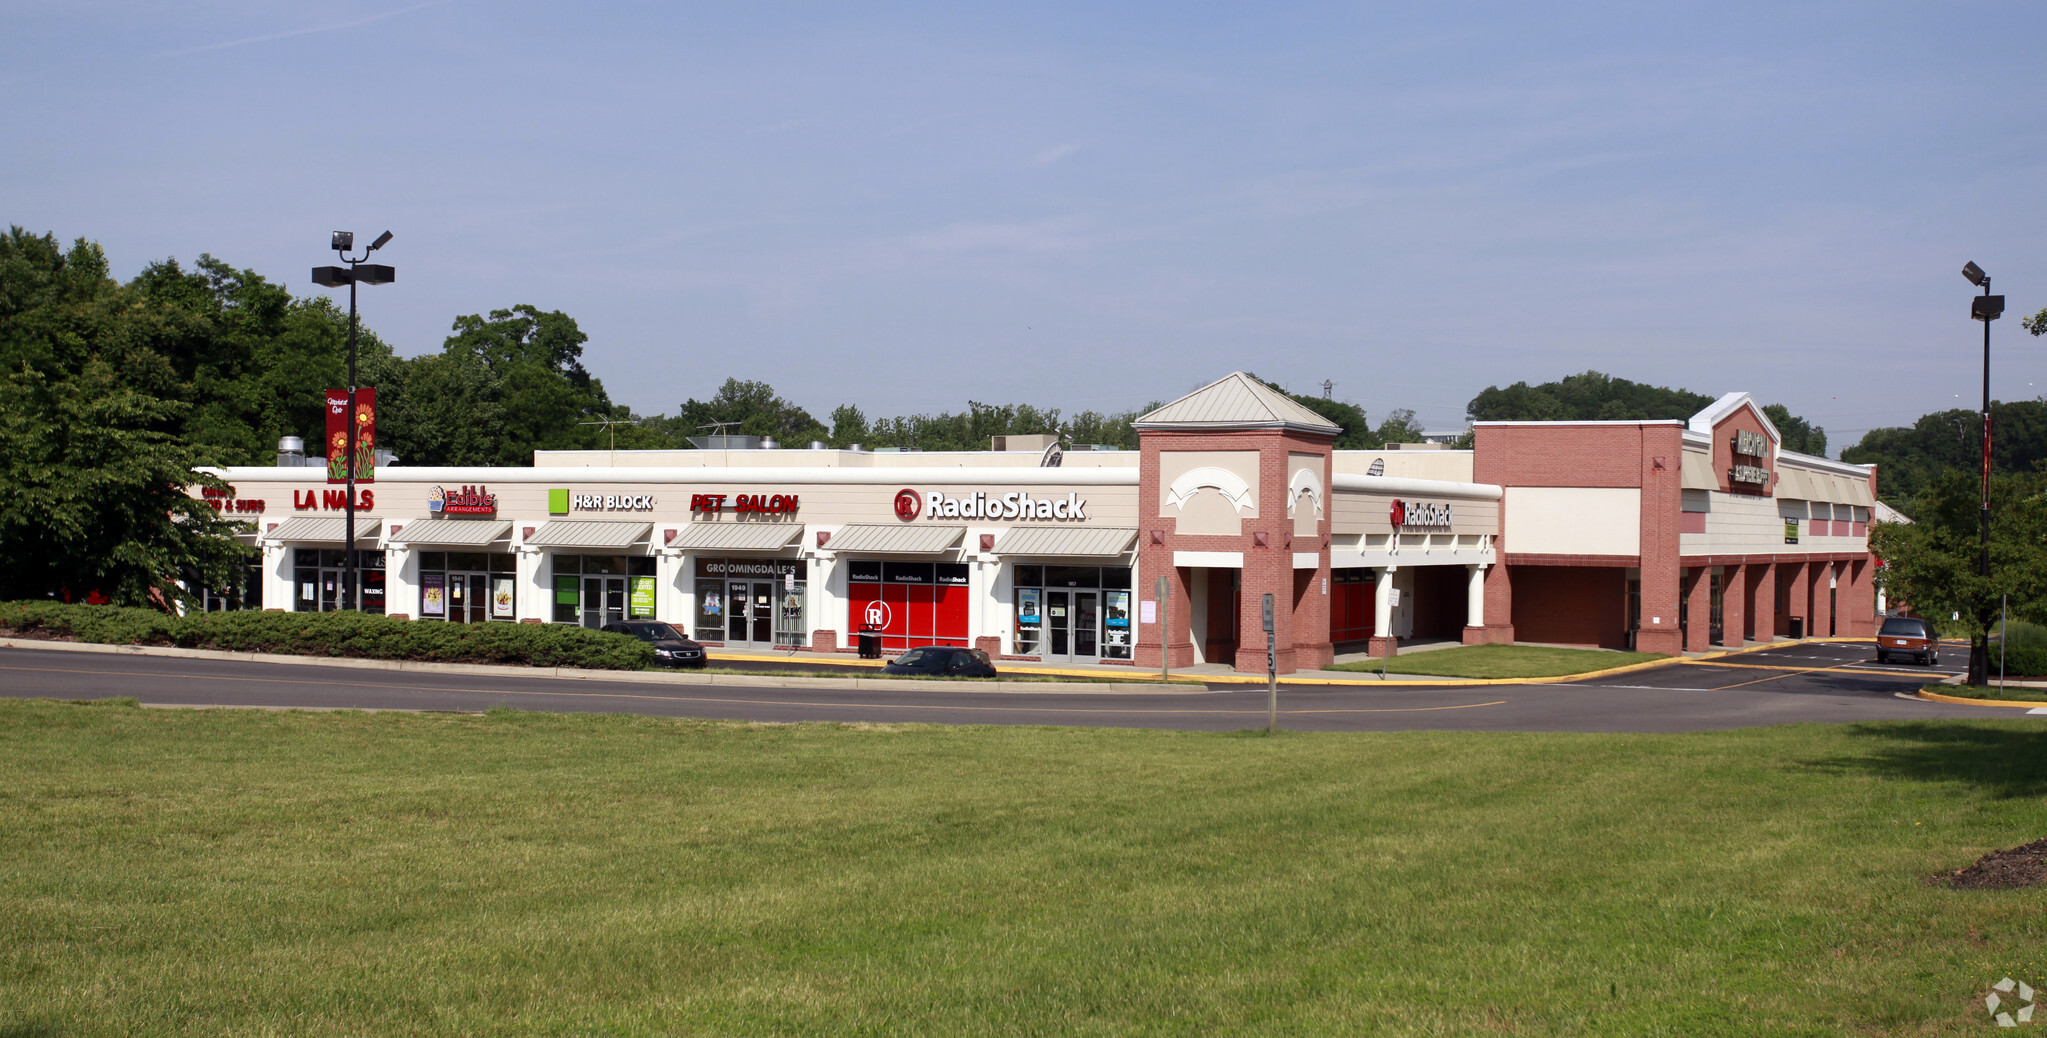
[1661,535]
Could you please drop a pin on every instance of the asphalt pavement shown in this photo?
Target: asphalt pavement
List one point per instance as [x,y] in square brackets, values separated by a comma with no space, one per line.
[1798,683]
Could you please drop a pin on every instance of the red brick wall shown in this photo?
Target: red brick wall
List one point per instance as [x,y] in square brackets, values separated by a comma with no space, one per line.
[1647,455]
[1723,452]
[1300,621]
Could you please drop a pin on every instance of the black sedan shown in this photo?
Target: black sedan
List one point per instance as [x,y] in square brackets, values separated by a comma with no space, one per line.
[671,649]
[942,661]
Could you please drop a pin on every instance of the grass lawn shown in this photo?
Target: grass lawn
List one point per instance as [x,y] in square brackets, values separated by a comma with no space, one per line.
[1504,661]
[2009,693]
[271,873]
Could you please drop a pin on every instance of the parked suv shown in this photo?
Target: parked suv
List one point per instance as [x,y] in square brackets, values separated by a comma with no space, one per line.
[671,649]
[1907,636]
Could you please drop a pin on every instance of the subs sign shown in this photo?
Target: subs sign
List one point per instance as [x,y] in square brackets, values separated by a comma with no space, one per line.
[1421,514]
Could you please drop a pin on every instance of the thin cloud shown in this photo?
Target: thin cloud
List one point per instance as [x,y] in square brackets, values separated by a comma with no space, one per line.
[1055,153]
[302,32]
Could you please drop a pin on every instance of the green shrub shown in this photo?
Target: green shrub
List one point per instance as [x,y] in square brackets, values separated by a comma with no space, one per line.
[344,634]
[2024,650]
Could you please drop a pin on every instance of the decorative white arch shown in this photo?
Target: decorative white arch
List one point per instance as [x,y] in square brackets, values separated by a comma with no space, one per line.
[1229,484]
[1304,479]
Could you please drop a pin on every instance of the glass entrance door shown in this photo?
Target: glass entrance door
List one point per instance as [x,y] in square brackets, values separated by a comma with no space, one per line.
[603,601]
[468,598]
[1073,625]
[750,612]
[1087,623]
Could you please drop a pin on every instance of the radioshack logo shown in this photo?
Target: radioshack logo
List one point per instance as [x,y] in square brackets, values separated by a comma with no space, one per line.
[909,505]
[877,617]
[1420,513]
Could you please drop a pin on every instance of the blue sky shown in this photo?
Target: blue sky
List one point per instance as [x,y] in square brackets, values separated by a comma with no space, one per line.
[1092,206]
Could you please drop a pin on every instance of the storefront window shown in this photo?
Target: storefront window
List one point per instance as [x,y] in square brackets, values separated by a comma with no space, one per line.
[468,587]
[245,593]
[751,601]
[319,572]
[595,590]
[1073,612]
[908,603]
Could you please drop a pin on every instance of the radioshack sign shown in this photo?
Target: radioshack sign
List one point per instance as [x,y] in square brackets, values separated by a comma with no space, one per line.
[1421,514]
[981,505]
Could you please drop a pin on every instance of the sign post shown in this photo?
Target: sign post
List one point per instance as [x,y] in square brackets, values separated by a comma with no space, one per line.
[1159,590]
[1271,671]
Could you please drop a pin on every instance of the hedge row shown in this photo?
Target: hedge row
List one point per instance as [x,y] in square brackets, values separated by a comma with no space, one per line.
[359,635]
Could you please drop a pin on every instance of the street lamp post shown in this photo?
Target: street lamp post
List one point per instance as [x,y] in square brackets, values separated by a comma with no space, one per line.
[357,272]
[1985,308]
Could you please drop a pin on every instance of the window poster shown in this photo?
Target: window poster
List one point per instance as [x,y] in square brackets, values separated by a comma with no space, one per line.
[501,598]
[1118,612]
[433,594]
[643,598]
[1027,606]
[713,605]
[565,590]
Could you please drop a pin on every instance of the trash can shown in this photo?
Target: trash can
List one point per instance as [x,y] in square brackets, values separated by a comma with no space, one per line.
[870,645]
[1798,627]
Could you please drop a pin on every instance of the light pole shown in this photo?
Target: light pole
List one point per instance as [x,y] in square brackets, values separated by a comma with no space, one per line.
[357,272]
[1985,308]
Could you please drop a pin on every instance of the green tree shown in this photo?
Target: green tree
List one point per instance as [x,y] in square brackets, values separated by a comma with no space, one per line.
[1799,435]
[93,497]
[1590,396]
[1399,427]
[502,387]
[751,409]
[1931,563]
[1908,460]
[849,426]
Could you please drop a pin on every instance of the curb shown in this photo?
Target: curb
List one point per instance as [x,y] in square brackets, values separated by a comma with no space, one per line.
[627,676]
[1195,685]
[1935,697]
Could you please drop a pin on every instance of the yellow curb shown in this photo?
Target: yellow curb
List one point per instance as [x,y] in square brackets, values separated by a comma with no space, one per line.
[1929,694]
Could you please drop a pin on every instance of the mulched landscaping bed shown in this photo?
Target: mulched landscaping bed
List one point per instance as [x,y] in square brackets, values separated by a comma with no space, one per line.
[1999,870]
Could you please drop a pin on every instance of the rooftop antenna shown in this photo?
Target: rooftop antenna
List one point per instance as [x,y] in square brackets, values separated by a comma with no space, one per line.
[1328,389]
[611,427]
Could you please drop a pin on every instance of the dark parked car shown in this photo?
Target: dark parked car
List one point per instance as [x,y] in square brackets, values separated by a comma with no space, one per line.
[1907,636]
[940,660]
[671,649]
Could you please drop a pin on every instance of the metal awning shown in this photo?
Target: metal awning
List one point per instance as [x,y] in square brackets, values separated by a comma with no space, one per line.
[324,529]
[469,533]
[1066,540]
[1794,485]
[737,536]
[588,533]
[1696,472]
[896,539]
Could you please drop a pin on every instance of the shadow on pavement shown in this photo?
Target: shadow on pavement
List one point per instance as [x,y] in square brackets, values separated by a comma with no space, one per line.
[2002,758]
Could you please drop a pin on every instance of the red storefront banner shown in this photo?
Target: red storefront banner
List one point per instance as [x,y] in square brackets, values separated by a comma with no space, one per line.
[365,435]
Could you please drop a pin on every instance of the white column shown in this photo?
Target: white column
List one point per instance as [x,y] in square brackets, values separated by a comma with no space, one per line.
[536,590]
[826,608]
[1474,597]
[672,593]
[278,590]
[1382,603]
[401,581]
[992,601]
